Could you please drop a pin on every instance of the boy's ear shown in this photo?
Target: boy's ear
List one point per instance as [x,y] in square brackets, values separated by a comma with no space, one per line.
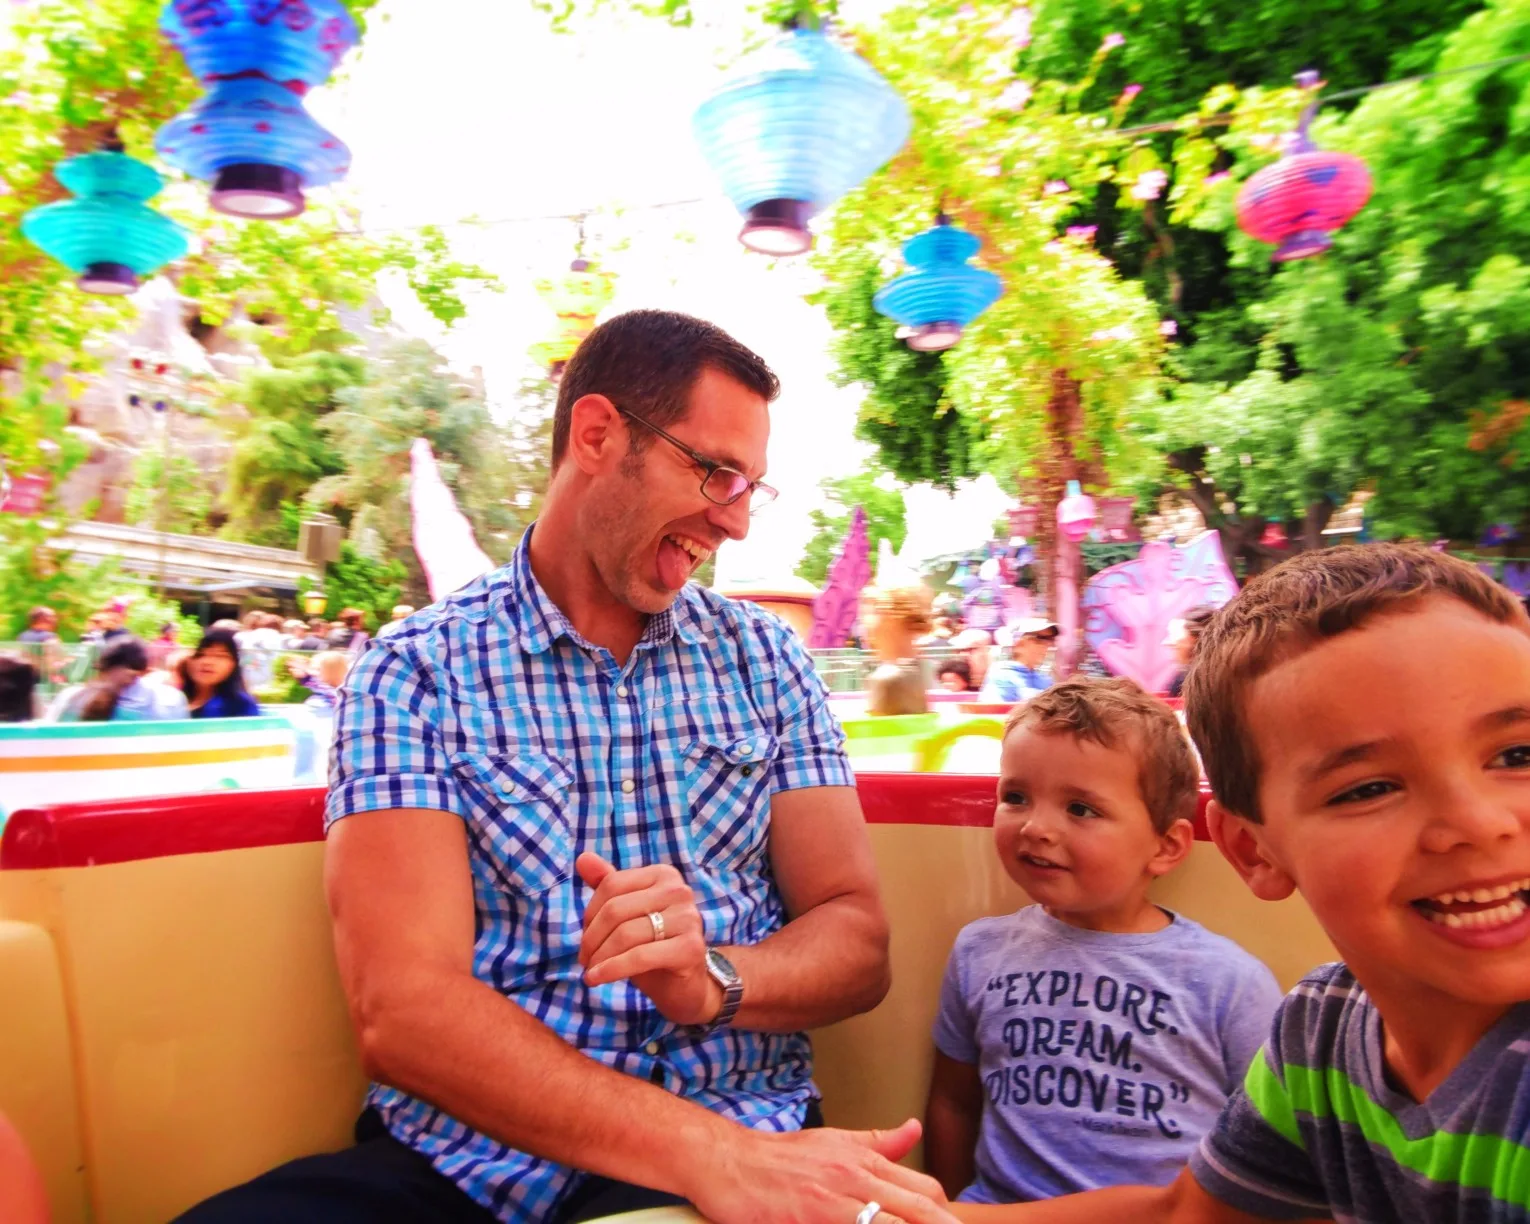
[1239,841]
[1173,847]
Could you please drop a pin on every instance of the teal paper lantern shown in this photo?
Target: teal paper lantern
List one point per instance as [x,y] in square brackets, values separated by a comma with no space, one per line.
[943,293]
[800,123]
[108,236]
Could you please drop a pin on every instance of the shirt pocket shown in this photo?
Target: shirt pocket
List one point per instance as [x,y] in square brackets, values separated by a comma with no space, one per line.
[727,788]
[516,804]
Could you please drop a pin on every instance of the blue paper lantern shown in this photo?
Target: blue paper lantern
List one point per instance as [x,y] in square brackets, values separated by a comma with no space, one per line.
[800,123]
[252,139]
[943,293]
[108,235]
[283,40]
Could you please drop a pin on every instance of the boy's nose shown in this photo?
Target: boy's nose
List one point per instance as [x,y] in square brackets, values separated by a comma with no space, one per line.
[1468,817]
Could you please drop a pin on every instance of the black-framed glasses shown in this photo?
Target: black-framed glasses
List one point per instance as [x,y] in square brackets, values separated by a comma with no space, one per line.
[719,483]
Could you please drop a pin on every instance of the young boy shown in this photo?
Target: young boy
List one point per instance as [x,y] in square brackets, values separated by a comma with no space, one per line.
[1364,715]
[1091,1038]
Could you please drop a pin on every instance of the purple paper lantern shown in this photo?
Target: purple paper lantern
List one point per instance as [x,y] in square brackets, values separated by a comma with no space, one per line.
[282,40]
[250,136]
[1076,514]
[1299,201]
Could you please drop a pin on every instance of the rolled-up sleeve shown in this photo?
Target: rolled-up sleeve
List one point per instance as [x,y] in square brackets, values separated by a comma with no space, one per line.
[387,750]
[812,743]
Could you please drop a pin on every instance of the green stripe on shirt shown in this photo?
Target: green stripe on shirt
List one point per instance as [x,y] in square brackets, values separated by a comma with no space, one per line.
[1478,1162]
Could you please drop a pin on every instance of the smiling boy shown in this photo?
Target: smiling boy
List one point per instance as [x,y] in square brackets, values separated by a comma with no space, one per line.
[1089,1039]
[1364,716]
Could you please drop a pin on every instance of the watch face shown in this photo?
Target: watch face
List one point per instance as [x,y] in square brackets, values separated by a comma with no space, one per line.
[721,967]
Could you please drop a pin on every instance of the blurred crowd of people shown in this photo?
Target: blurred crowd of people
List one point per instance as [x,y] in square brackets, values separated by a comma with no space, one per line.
[917,649]
[134,679]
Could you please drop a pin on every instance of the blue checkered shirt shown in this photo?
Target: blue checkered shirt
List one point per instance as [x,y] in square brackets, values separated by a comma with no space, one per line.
[490,706]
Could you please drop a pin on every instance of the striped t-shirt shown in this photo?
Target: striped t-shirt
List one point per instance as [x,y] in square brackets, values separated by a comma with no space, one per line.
[1318,1131]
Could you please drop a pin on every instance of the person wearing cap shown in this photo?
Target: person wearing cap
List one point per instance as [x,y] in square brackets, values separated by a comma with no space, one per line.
[1022,677]
[976,647]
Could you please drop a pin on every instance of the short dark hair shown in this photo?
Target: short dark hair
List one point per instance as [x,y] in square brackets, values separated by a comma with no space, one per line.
[956,667]
[1290,609]
[647,362]
[18,683]
[1117,713]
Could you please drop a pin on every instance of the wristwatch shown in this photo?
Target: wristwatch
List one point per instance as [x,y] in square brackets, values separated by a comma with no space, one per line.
[725,975]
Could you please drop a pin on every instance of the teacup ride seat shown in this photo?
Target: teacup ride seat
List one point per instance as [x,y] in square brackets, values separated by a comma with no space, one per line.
[173,1021]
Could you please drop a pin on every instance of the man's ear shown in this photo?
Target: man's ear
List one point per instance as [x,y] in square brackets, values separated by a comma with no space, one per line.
[597,438]
[1241,844]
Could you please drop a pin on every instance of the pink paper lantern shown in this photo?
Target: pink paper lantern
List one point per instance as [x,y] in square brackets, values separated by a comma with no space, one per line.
[1299,201]
[1076,514]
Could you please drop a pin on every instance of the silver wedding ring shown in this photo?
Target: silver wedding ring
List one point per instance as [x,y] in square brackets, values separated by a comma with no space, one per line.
[868,1213]
[656,921]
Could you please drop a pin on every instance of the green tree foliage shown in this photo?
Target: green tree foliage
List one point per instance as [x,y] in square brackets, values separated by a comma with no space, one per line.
[907,413]
[410,394]
[280,452]
[32,575]
[1181,51]
[1399,361]
[886,519]
[358,581]
[175,496]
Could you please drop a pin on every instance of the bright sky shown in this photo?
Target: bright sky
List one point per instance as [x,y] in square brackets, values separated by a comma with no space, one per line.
[474,108]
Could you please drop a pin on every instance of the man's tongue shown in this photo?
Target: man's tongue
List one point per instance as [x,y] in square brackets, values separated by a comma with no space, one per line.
[674,564]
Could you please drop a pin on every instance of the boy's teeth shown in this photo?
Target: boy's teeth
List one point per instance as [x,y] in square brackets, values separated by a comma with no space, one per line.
[1499,915]
[1481,896]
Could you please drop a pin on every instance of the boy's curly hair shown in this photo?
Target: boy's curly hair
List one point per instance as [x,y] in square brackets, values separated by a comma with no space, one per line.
[1116,714]
[1291,608]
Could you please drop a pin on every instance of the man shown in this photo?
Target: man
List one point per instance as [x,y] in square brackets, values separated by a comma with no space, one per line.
[595,856]
[42,626]
[1022,677]
[113,621]
[976,647]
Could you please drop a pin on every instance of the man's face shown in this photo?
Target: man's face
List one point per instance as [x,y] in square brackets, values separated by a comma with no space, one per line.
[647,523]
[1396,796]
[110,618]
[1031,650]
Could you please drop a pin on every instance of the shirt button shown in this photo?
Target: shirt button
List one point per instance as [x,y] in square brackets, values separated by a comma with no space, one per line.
[652,1047]
[746,750]
[628,786]
[621,690]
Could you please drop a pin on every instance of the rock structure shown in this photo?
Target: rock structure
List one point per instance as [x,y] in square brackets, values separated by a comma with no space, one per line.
[117,430]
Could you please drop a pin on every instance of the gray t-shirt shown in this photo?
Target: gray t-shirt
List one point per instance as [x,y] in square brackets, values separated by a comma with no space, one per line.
[1319,1130]
[1104,1057]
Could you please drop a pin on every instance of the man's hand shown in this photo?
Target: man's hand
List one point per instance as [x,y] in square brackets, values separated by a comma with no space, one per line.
[816,1177]
[618,939]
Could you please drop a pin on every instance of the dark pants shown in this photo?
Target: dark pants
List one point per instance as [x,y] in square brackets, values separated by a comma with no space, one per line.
[381,1181]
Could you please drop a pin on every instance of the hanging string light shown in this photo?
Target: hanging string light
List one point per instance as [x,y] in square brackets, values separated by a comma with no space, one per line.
[801,122]
[1299,201]
[107,235]
[577,298]
[943,293]
[250,136]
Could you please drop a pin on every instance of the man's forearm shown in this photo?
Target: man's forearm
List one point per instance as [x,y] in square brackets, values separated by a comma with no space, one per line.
[827,964]
[455,1042]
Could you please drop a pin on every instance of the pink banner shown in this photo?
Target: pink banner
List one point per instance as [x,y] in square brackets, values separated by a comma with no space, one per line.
[1128,607]
[834,611]
[443,537]
[26,494]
